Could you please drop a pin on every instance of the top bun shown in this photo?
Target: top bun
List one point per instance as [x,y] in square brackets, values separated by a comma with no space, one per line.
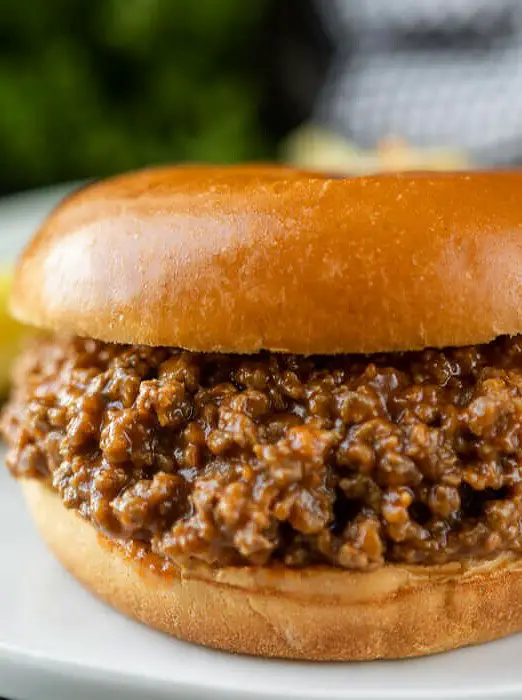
[239,259]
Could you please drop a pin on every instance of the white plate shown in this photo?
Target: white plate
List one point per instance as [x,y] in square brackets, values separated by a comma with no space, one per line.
[56,641]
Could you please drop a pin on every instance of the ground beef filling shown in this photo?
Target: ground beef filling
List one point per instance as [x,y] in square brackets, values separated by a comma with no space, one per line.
[351,461]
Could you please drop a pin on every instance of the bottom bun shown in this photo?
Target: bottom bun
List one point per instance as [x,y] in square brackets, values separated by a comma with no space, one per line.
[317,613]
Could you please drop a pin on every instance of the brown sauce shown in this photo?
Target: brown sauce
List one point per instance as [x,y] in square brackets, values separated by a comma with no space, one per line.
[351,461]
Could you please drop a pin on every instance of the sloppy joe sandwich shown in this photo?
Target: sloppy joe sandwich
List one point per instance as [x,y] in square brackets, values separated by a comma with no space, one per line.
[278,413]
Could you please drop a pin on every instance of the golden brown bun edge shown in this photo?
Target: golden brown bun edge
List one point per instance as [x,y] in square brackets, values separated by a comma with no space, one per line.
[242,258]
[317,614]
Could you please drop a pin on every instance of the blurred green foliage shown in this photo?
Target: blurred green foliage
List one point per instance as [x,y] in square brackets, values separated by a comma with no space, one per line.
[91,87]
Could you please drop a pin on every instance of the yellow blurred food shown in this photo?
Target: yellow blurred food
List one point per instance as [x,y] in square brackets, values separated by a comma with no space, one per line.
[314,148]
[11,332]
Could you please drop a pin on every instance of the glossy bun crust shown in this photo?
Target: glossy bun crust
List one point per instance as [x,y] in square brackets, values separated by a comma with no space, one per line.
[318,614]
[243,258]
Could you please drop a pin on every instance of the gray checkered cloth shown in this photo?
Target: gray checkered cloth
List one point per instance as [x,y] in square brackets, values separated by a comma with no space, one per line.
[434,72]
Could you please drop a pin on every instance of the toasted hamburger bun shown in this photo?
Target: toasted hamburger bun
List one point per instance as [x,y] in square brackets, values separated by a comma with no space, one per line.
[242,259]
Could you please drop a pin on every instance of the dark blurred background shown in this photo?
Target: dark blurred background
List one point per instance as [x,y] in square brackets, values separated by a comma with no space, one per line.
[92,87]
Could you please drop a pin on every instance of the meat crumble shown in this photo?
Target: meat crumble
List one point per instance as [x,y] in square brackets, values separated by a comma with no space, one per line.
[352,461]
